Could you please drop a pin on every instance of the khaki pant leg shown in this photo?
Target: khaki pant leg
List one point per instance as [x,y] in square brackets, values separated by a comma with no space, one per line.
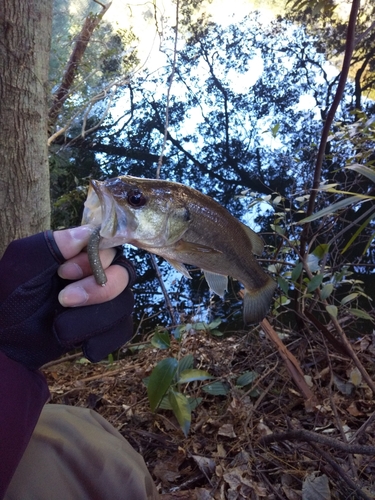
[75,454]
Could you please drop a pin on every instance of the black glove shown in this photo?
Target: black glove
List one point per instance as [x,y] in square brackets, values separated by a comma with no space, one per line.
[34,327]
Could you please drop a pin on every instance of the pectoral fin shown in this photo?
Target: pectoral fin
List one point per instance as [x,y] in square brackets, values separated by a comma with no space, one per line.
[179,267]
[217,282]
[186,246]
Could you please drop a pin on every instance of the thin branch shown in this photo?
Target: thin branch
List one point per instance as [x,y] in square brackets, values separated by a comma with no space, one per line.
[170,81]
[350,41]
[361,37]
[160,163]
[291,361]
[363,428]
[348,480]
[163,289]
[313,437]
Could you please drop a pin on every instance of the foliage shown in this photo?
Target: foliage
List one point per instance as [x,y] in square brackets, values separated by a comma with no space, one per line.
[164,383]
[164,388]
[237,124]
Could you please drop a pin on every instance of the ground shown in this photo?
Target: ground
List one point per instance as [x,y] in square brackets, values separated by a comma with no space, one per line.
[261,440]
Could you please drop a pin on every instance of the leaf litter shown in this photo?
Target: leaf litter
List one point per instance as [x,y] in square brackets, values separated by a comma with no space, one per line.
[226,455]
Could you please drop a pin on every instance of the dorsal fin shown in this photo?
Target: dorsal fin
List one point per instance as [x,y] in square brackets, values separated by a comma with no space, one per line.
[257,244]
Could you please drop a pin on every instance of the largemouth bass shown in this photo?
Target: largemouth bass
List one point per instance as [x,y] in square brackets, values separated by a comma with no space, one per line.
[183,226]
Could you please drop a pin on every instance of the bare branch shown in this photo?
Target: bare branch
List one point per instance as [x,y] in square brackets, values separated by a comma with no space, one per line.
[314,437]
[350,41]
[170,81]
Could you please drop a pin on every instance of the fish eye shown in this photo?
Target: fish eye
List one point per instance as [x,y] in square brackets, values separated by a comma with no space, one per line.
[136,198]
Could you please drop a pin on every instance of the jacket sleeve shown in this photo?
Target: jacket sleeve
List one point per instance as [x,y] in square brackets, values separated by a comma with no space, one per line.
[23,393]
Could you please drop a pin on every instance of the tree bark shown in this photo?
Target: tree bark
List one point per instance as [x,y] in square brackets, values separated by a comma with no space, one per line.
[25,36]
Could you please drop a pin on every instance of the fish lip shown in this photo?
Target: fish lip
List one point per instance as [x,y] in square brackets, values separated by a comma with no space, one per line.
[92,212]
[109,221]
[104,209]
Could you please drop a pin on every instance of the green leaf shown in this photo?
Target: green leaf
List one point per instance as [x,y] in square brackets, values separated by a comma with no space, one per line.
[357,233]
[216,333]
[215,323]
[200,326]
[160,381]
[326,291]
[321,250]
[349,298]
[332,310]
[359,313]
[161,340]
[331,209]
[246,378]
[179,331]
[165,404]
[216,389]
[361,169]
[275,129]
[276,200]
[315,282]
[283,284]
[296,273]
[181,409]
[312,263]
[192,375]
[278,229]
[282,300]
[186,363]
[194,402]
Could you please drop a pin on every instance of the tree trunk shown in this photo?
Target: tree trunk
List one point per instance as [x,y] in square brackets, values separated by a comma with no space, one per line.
[25,36]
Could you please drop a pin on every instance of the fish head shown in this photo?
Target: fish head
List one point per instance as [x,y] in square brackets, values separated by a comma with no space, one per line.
[142,212]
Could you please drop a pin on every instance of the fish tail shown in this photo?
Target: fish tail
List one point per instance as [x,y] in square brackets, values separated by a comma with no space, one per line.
[256,302]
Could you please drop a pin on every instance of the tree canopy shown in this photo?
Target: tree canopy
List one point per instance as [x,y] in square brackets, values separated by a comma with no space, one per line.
[247,105]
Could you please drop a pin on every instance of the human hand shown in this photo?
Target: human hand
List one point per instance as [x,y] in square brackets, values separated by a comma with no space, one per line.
[43,316]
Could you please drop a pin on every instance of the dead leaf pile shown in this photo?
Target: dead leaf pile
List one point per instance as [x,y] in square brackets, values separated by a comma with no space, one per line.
[231,451]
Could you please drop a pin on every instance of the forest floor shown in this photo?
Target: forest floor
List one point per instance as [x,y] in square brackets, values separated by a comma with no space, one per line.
[260,440]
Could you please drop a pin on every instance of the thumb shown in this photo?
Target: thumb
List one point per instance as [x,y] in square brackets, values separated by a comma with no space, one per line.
[72,241]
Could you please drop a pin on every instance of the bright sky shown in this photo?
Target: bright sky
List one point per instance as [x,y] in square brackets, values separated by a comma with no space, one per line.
[141,17]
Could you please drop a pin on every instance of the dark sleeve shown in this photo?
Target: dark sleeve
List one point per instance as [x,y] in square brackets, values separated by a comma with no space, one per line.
[23,393]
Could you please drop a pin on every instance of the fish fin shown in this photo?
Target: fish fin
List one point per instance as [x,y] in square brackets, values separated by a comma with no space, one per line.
[217,282]
[179,267]
[256,303]
[257,244]
[186,246]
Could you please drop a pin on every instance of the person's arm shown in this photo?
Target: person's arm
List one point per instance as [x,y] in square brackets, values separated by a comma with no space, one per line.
[23,393]
[43,315]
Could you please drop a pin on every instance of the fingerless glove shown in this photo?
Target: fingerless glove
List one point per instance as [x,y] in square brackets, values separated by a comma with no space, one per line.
[34,327]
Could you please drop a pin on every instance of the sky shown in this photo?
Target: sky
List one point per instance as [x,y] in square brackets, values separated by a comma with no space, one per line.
[141,17]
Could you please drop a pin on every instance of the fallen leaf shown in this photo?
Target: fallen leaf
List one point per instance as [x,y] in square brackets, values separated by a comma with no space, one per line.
[227,430]
[205,464]
[263,429]
[167,469]
[355,377]
[316,487]
[203,494]
[221,452]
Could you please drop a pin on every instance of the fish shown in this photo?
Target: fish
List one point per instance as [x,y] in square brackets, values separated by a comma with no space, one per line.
[184,226]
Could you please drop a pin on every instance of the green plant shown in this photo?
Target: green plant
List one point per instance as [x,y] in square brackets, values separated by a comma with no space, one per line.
[164,388]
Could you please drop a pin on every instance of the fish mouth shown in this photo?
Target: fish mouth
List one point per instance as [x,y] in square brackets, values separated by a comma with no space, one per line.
[101,210]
